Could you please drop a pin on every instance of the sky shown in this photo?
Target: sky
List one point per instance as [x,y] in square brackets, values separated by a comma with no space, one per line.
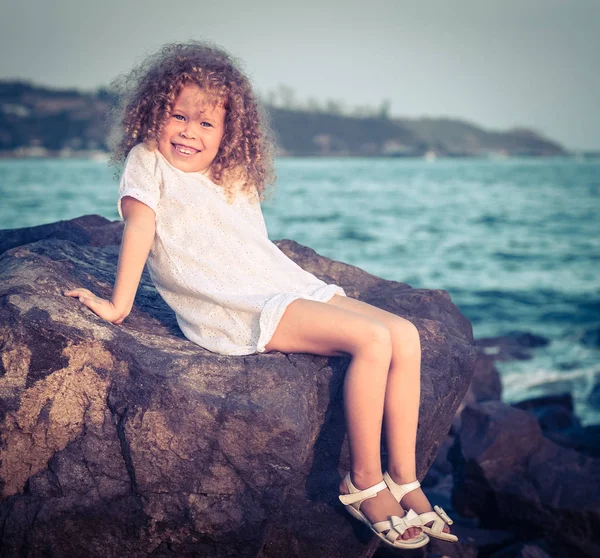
[525,63]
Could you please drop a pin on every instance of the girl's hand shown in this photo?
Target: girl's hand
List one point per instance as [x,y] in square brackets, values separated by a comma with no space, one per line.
[100,306]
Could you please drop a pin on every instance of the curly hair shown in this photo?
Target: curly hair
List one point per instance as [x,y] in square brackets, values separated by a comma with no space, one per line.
[147,94]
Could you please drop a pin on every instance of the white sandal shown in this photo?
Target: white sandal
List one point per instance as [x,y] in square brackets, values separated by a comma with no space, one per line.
[438,516]
[395,526]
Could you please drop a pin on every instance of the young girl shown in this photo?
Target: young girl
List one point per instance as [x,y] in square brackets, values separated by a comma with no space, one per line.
[198,158]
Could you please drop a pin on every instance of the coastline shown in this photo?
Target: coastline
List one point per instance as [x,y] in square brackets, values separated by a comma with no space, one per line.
[100,155]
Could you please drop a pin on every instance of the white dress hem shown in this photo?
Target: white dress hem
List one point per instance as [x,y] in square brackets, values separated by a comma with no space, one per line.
[275,307]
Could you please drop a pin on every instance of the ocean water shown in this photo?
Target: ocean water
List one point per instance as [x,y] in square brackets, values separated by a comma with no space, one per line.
[515,242]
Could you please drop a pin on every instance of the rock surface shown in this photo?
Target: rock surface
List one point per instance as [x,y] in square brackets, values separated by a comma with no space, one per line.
[516,345]
[536,549]
[508,474]
[555,414]
[131,441]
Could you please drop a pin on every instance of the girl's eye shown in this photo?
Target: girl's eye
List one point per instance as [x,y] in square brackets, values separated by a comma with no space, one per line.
[206,124]
[178,116]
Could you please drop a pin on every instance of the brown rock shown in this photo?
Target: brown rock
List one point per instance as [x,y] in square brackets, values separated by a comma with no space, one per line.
[485,385]
[515,345]
[555,414]
[536,549]
[88,230]
[131,441]
[510,476]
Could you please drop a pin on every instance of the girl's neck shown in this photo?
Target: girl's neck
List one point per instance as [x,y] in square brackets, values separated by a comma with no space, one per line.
[205,173]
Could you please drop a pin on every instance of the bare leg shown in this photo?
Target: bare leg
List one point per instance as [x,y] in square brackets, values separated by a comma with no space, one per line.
[364,397]
[364,400]
[318,328]
[403,392]
[401,417]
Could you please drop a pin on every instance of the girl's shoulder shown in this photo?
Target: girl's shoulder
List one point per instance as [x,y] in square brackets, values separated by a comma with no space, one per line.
[141,152]
[142,158]
[142,168]
[141,178]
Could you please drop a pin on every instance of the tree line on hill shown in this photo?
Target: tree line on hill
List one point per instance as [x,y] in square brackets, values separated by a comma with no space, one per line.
[40,120]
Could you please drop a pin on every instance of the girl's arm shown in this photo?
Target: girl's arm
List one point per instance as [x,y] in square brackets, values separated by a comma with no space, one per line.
[138,236]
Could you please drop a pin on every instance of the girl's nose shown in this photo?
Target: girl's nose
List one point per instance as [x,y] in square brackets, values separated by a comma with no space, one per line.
[187,133]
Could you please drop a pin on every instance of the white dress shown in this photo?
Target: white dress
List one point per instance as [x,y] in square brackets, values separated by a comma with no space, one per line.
[213,262]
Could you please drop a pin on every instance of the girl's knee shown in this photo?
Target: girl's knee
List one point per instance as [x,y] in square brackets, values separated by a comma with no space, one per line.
[406,337]
[375,339]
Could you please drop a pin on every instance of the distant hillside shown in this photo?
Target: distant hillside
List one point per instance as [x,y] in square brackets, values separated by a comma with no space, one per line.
[40,121]
[51,119]
[320,133]
[456,137]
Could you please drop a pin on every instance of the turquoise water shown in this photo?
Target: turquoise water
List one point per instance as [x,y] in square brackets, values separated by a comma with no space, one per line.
[515,242]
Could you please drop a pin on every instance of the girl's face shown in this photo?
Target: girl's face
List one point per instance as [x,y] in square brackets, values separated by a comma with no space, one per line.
[191,136]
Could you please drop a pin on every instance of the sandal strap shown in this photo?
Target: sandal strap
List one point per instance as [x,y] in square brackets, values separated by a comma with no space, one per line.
[438,522]
[439,517]
[400,490]
[385,525]
[440,511]
[357,495]
[393,535]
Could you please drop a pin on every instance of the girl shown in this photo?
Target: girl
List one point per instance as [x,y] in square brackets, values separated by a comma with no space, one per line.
[197,159]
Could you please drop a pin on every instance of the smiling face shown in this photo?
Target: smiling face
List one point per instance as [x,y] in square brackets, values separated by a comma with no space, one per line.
[191,136]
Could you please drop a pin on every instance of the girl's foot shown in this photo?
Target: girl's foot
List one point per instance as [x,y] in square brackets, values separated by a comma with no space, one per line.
[415,499]
[380,507]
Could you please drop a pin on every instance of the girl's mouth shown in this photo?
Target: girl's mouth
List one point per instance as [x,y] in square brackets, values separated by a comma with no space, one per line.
[185,151]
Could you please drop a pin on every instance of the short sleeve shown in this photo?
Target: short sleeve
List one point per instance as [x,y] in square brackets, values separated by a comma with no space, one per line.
[259,216]
[141,178]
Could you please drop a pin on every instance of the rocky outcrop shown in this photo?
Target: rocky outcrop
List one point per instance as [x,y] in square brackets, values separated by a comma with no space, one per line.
[509,475]
[131,441]
[556,417]
[503,470]
[89,230]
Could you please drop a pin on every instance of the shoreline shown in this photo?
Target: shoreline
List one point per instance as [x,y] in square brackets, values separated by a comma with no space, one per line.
[100,155]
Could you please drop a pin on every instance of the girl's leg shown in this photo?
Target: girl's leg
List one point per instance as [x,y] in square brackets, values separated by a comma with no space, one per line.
[402,397]
[315,327]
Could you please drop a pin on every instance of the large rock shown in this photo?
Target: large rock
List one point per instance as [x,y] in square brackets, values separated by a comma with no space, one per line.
[509,475]
[88,230]
[485,385]
[131,441]
[555,414]
[515,345]
[535,549]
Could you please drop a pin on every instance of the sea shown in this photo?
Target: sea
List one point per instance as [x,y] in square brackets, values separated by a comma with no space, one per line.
[515,242]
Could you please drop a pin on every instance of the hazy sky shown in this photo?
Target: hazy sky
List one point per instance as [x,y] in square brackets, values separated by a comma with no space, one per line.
[499,64]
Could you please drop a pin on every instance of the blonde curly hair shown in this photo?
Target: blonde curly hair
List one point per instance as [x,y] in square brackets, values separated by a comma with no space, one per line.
[147,94]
